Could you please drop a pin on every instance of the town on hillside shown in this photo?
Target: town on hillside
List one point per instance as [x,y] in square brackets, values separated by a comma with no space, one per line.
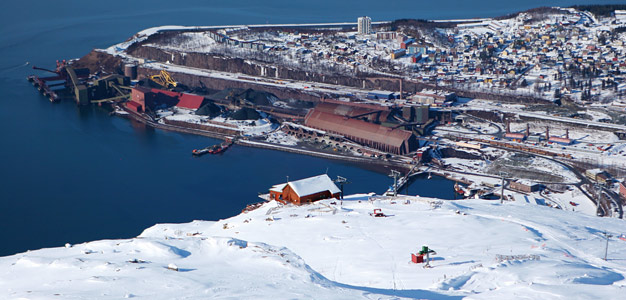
[525,107]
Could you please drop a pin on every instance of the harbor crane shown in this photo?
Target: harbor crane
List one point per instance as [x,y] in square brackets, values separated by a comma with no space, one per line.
[164,79]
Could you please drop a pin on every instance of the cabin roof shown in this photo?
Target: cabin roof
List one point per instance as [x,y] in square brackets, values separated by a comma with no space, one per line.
[312,185]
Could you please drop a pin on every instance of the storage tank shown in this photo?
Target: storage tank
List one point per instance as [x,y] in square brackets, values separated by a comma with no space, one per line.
[130,70]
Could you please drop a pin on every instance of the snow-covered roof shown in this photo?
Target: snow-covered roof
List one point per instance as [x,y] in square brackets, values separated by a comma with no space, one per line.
[278,188]
[525,182]
[312,185]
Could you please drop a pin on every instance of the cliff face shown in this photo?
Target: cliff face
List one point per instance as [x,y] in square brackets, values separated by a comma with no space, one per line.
[253,68]
[220,84]
[238,65]
[98,61]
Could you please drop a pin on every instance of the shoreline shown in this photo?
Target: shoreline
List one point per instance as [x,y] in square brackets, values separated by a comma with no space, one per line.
[259,144]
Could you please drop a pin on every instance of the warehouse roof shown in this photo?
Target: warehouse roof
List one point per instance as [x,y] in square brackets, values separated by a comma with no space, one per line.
[352,111]
[357,128]
[190,101]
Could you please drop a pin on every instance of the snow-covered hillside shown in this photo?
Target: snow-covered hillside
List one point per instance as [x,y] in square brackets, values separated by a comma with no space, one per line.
[335,250]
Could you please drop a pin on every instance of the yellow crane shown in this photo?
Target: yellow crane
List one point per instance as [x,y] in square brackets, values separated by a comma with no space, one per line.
[164,79]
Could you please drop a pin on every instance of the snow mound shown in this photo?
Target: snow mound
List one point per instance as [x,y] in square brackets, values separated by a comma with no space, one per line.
[335,249]
[192,267]
[157,249]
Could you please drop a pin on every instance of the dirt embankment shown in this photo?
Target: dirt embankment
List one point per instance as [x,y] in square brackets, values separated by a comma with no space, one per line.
[98,61]
[451,152]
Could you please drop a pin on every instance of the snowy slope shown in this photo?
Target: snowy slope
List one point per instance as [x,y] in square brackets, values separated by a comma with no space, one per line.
[334,251]
[138,268]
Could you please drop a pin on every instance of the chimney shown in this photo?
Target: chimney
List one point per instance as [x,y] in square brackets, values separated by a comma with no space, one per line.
[567,133]
[508,126]
[527,129]
[547,133]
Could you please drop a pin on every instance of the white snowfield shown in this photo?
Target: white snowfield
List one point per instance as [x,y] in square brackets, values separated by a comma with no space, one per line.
[485,250]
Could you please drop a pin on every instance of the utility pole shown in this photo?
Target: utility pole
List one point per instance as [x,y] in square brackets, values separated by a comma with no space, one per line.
[341,181]
[606,249]
[395,174]
[502,174]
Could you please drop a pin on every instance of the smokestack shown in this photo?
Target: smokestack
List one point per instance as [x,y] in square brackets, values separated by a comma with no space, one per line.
[547,133]
[508,126]
[401,89]
[527,129]
[567,133]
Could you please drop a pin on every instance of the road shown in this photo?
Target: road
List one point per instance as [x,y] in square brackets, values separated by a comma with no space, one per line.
[526,113]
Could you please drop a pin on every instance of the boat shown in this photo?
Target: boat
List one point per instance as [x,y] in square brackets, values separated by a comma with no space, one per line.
[215,149]
[200,152]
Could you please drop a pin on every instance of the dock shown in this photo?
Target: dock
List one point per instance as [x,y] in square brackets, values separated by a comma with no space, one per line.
[41,83]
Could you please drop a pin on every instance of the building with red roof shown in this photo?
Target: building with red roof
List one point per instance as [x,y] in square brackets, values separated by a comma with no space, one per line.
[142,97]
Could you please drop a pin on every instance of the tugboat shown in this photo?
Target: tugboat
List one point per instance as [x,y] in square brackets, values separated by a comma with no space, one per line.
[215,149]
[196,152]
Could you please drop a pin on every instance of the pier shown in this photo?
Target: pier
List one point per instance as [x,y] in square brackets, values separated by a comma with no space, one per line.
[400,183]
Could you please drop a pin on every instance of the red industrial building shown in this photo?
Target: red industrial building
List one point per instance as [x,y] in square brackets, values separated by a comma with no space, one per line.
[305,190]
[190,101]
[386,139]
[142,97]
[137,101]
[559,140]
[516,136]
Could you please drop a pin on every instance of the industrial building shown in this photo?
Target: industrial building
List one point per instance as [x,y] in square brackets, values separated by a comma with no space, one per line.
[391,140]
[435,98]
[305,190]
[142,97]
[559,140]
[516,136]
[416,114]
[380,95]
[364,25]
[598,175]
[525,186]
[374,114]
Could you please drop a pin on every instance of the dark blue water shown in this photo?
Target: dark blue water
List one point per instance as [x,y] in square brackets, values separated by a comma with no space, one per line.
[70,174]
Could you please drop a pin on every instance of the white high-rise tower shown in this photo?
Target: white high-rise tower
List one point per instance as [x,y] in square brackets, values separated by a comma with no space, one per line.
[364,25]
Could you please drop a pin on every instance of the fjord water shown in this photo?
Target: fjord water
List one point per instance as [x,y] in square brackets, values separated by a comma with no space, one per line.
[75,174]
